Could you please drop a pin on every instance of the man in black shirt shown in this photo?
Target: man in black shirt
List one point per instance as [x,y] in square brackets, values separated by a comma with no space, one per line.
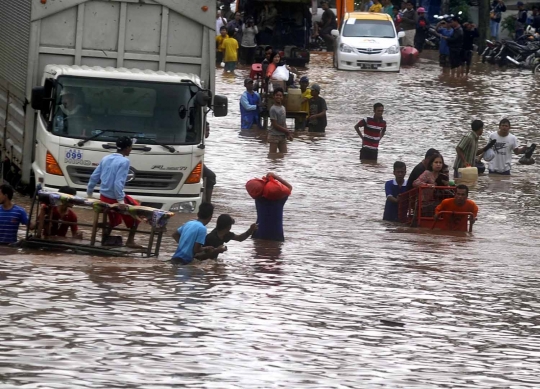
[326,25]
[420,168]
[455,44]
[470,32]
[222,233]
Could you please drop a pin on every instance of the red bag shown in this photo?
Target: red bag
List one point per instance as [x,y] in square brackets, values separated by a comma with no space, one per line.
[275,190]
[255,187]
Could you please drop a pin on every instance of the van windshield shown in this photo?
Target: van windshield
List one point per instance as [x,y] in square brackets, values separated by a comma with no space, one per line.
[369,28]
[150,111]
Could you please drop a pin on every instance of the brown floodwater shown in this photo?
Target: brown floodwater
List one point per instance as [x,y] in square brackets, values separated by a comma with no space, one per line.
[307,313]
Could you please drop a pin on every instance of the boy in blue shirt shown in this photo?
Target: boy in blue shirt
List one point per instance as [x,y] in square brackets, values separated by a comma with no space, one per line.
[393,189]
[191,237]
[11,216]
[444,29]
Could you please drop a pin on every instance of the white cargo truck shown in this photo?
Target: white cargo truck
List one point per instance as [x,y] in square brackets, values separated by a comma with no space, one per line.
[77,74]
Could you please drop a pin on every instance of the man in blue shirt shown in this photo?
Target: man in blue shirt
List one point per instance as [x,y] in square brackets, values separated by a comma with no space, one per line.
[191,237]
[249,106]
[112,172]
[11,216]
[444,29]
[393,189]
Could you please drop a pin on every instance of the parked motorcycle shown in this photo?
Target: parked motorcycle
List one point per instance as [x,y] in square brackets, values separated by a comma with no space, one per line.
[516,54]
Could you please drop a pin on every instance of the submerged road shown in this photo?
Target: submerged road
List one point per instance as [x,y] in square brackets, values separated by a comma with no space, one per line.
[306,313]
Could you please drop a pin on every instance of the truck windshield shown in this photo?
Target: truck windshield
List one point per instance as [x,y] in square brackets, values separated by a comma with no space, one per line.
[369,28]
[155,112]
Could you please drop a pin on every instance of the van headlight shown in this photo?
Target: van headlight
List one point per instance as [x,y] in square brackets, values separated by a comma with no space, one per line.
[184,207]
[345,48]
[393,49]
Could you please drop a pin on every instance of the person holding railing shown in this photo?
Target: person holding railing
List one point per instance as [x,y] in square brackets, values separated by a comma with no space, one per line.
[461,205]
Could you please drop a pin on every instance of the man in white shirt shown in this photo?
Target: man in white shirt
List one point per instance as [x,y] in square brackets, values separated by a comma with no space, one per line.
[220,21]
[506,143]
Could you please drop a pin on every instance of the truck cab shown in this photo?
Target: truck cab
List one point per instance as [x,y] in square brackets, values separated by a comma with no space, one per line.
[83,110]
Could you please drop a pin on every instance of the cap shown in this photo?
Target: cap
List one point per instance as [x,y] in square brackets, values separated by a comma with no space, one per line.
[224,221]
[520,3]
[66,91]
[247,81]
[123,142]
[421,10]
[316,87]
[304,79]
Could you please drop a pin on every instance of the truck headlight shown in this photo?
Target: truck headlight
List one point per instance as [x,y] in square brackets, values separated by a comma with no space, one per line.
[393,49]
[345,48]
[184,207]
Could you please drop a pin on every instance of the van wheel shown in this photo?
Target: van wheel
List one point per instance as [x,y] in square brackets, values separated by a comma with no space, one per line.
[536,69]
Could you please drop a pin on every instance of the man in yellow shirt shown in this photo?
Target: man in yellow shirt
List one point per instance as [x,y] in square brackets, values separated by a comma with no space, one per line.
[376,7]
[219,45]
[230,53]
[300,124]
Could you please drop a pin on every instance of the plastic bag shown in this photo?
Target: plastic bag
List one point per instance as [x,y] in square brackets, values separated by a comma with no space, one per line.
[281,73]
[255,187]
[489,155]
[275,190]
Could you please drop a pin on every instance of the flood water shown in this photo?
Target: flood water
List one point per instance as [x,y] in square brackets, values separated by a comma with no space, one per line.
[306,313]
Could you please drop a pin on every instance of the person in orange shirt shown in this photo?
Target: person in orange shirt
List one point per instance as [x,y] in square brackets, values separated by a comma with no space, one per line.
[460,203]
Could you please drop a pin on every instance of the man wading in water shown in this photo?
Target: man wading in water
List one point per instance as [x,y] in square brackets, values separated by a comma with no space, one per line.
[113,171]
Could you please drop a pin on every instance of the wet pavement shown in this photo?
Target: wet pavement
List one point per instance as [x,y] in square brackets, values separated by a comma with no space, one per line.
[306,313]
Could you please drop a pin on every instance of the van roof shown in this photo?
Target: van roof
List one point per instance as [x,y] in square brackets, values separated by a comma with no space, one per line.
[367,16]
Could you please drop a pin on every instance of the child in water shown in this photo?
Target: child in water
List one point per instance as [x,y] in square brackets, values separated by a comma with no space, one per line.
[222,233]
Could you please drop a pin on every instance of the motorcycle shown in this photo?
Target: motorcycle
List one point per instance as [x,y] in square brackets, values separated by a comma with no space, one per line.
[491,50]
[516,53]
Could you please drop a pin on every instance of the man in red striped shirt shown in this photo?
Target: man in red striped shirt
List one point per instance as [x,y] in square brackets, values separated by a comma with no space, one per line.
[374,130]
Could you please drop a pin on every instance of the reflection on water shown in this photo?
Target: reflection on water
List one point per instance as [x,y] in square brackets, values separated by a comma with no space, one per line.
[307,312]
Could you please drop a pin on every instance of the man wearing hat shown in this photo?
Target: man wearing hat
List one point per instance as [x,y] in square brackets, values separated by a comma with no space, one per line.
[317,110]
[422,27]
[521,20]
[249,106]
[112,172]
[300,124]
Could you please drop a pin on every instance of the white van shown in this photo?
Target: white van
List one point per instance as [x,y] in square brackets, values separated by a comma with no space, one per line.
[367,41]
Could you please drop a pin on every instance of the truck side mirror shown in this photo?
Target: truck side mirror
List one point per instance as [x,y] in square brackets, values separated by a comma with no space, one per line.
[220,106]
[38,98]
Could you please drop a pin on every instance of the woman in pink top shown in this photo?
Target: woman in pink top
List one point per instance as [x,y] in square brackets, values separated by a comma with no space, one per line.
[429,177]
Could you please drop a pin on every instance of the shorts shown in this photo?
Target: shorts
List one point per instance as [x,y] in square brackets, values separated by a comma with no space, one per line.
[444,62]
[466,57]
[230,66]
[368,154]
[279,139]
[219,58]
[455,59]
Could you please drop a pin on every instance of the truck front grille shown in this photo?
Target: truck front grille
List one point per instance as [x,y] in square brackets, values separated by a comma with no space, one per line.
[80,175]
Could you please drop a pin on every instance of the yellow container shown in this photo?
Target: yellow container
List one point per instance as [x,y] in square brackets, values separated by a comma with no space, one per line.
[294,100]
[469,174]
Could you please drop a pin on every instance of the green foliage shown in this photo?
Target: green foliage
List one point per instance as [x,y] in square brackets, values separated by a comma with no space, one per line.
[460,5]
[509,24]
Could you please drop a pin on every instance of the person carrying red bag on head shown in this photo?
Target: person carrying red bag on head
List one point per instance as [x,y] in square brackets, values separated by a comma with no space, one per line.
[112,172]
[270,203]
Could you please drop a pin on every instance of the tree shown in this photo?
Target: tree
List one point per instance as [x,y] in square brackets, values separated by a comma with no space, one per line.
[483,22]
